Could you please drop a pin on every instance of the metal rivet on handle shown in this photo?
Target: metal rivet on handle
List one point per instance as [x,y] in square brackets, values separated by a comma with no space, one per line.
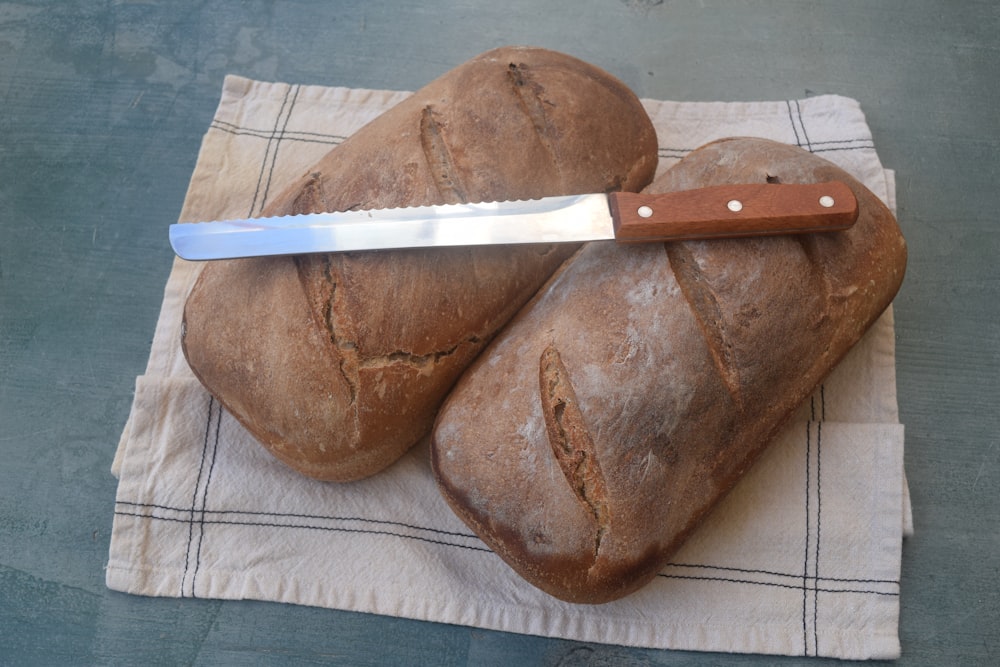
[735,205]
[644,211]
[826,201]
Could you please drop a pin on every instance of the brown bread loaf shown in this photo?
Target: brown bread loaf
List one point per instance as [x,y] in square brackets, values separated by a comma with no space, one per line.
[597,430]
[337,363]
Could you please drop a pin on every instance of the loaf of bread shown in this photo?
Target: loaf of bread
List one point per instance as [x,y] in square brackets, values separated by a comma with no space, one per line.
[337,363]
[599,428]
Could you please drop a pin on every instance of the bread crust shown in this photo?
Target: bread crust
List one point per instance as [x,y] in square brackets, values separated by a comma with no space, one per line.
[337,363]
[600,427]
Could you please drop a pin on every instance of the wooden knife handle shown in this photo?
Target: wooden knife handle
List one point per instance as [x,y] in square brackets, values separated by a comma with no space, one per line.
[726,211]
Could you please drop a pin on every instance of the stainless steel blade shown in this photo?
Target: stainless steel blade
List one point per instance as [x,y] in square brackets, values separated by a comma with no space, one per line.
[565,219]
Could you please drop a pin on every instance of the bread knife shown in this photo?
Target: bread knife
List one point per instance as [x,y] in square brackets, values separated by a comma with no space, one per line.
[723,211]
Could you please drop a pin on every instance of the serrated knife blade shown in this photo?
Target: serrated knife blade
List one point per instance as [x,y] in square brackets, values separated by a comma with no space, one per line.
[712,212]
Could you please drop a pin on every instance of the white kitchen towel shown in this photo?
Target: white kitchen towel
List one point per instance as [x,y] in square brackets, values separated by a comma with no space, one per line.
[803,558]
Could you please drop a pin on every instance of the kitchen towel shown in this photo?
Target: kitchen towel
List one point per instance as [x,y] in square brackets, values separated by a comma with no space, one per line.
[802,558]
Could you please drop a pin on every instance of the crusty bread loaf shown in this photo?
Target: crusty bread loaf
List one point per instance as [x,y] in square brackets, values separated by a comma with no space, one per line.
[337,363]
[597,430]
